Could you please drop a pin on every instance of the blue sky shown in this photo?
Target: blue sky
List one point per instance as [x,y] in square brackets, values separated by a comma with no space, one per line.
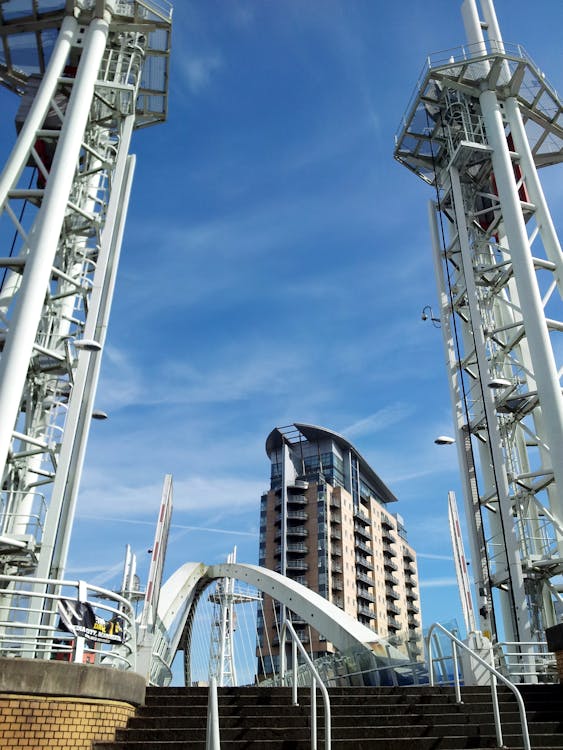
[274,268]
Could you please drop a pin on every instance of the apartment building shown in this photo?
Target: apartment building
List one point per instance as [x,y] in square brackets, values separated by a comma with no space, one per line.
[326,523]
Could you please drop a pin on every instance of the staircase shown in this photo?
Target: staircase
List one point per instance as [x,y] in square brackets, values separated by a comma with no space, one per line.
[362,719]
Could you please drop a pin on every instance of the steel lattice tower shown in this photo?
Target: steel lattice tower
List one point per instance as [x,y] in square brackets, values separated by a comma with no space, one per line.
[95,71]
[481,125]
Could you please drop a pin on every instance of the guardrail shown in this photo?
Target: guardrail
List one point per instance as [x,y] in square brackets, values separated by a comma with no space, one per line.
[66,621]
[495,675]
[537,663]
[316,681]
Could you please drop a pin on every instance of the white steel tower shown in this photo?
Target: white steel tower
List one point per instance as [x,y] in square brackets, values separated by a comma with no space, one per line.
[88,72]
[222,665]
[482,123]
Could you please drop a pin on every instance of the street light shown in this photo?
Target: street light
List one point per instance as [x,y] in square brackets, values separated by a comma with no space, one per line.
[88,345]
[444,440]
[427,314]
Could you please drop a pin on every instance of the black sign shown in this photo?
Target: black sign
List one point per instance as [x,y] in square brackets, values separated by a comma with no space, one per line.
[79,619]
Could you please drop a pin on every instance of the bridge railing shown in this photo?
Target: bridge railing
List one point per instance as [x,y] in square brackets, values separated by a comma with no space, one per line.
[66,620]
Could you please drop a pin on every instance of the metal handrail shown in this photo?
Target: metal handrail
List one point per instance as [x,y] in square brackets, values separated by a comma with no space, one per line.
[37,634]
[495,675]
[296,644]
[212,735]
[538,662]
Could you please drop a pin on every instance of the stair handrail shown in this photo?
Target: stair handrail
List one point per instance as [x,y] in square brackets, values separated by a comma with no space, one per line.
[212,735]
[495,675]
[317,680]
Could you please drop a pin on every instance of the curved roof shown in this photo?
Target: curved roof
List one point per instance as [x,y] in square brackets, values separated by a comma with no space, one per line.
[313,433]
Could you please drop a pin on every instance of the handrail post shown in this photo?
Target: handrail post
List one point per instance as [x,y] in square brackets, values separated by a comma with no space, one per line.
[283,664]
[496,710]
[294,668]
[313,714]
[456,674]
[212,738]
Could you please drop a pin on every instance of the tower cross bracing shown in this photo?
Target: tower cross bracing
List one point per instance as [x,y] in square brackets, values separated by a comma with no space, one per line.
[483,121]
[95,71]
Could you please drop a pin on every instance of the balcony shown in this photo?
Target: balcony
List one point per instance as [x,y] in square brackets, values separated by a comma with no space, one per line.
[335,550]
[335,533]
[362,562]
[391,594]
[388,550]
[359,529]
[407,555]
[336,518]
[334,502]
[336,568]
[298,484]
[412,608]
[296,515]
[364,578]
[414,622]
[390,578]
[366,548]
[389,564]
[410,569]
[300,531]
[336,584]
[387,536]
[296,565]
[297,499]
[338,602]
[361,516]
[393,624]
[386,523]
[363,593]
[294,500]
[393,609]
[297,548]
[366,612]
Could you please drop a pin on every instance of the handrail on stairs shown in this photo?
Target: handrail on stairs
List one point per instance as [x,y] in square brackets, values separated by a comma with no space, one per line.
[495,675]
[296,644]
[212,737]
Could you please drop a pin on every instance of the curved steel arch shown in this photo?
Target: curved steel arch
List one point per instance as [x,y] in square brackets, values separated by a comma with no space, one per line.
[181,592]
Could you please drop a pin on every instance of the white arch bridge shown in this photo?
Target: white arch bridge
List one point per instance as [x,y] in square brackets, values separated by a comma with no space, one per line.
[173,625]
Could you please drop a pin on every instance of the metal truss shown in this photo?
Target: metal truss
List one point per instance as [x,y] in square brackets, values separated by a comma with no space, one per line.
[64,194]
[482,122]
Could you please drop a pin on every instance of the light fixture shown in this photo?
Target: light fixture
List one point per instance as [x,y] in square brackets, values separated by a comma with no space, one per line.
[427,314]
[88,345]
[498,383]
[101,415]
[444,440]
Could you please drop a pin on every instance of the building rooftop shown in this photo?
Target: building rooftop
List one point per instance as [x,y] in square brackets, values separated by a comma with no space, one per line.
[298,431]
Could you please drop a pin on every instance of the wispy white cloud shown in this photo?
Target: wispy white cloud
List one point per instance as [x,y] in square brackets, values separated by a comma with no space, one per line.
[379,420]
[198,71]
[438,583]
[432,556]
[173,526]
[109,496]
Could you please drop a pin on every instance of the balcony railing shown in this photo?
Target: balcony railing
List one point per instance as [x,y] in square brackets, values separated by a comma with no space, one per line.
[362,516]
[362,531]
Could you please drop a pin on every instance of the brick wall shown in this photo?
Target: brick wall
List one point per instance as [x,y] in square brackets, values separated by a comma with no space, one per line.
[58,723]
